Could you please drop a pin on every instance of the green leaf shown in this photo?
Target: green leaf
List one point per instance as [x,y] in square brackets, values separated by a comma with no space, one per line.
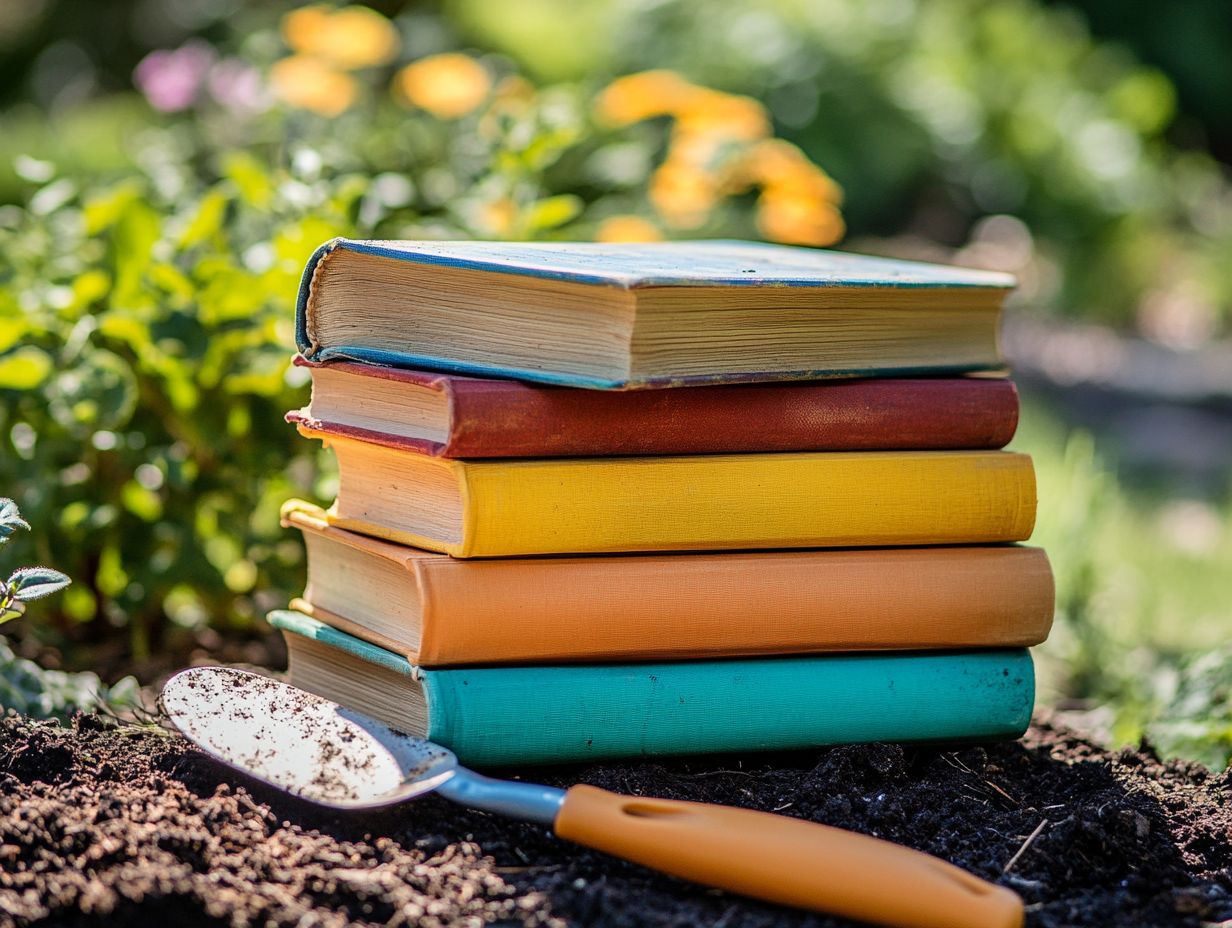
[553,212]
[136,233]
[353,187]
[295,242]
[90,287]
[1146,98]
[129,330]
[11,332]
[103,210]
[141,501]
[10,519]
[171,279]
[24,369]
[30,583]
[99,392]
[111,578]
[124,693]
[249,177]
[232,294]
[211,212]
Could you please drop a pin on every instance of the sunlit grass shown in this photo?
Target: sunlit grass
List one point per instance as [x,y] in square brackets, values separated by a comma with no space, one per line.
[1144,580]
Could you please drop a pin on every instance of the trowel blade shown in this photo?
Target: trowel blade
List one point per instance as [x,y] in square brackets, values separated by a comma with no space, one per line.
[301,743]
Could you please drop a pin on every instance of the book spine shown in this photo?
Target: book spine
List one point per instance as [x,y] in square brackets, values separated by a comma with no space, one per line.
[502,716]
[496,419]
[293,621]
[689,607]
[358,433]
[303,340]
[717,502]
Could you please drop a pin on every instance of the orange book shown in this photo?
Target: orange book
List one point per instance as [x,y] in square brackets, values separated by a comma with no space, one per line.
[440,611]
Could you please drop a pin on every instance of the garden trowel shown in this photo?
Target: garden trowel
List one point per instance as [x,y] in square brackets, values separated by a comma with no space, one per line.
[326,754]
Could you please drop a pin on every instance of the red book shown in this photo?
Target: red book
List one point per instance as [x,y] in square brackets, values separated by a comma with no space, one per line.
[469,417]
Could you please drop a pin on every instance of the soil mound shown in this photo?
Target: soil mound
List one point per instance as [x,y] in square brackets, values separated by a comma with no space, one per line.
[122,825]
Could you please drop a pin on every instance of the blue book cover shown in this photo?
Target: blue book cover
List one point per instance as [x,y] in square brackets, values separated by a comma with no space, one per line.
[493,716]
[642,266]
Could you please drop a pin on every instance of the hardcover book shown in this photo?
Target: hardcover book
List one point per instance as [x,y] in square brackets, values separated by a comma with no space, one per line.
[440,611]
[468,417]
[495,716]
[500,508]
[612,316]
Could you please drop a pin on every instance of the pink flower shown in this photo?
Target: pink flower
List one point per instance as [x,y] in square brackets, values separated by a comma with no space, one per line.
[238,86]
[172,79]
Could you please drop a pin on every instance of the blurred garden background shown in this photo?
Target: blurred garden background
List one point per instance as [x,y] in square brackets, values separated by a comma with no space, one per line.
[166,167]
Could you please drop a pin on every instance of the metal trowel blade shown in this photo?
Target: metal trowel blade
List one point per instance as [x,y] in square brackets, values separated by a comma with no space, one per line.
[301,743]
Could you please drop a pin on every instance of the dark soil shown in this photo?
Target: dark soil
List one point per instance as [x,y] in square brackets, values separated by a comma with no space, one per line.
[118,826]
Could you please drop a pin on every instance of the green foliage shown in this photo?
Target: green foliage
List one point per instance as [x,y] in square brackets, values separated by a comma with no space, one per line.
[934,114]
[27,688]
[10,520]
[146,328]
[144,419]
[24,686]
[25,583]
[1194,714]
[1142,599]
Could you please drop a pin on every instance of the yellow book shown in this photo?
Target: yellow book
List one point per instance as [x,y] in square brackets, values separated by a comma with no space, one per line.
[498,508]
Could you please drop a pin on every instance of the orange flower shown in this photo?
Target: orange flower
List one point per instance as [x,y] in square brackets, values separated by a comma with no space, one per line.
[781,165]
[798,220]
[302,28]
[627,229]
[720,145]
[350,38]
[705,112]
[311,84]
[447,86]
[497,217]
[703,152]
[698,110]
[682,194]
[635,97]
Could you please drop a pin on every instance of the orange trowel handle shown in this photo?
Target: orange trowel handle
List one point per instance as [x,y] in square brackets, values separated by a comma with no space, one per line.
[786,860]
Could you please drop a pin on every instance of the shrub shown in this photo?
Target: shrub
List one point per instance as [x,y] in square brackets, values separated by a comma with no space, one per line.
[25,686]
[25,583]
[146,319]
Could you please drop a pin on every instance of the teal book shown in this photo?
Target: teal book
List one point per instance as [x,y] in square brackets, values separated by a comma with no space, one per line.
[620,316]
[495,716]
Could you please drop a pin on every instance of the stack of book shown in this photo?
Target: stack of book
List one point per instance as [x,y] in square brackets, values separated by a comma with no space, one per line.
[618,500]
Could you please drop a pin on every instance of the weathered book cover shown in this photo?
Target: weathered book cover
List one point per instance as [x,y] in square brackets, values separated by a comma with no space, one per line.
[494,716]
[441,611]
[489,418]
[699,503]
[658,267]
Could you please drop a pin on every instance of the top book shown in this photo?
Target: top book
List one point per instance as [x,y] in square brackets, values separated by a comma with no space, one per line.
[618,316]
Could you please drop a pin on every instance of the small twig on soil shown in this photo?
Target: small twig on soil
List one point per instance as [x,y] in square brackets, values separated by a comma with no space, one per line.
[974,797]
[953,761]
[1026,844]
[1002,792]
